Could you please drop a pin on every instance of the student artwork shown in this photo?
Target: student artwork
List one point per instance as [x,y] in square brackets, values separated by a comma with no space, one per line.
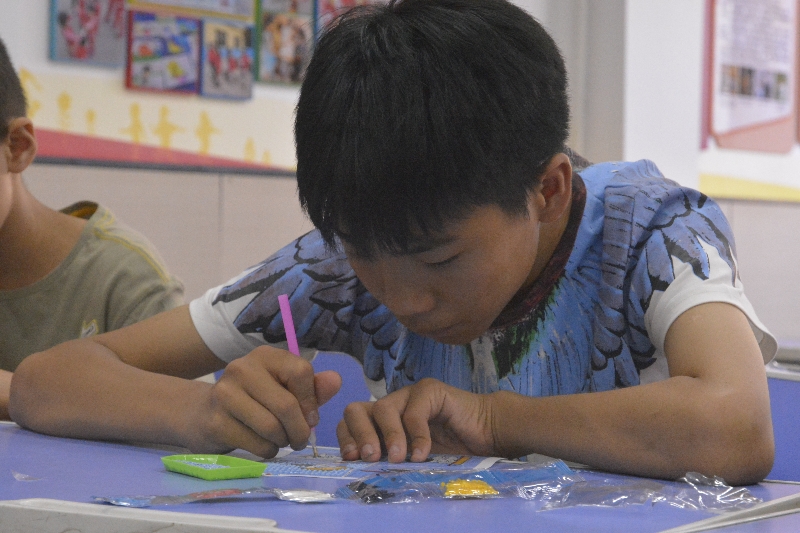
[329,464]
[285,39]
[163,53]
[88,31]
[327,10]
[227,61]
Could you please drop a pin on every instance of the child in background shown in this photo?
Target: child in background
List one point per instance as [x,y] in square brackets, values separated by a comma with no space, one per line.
[63,275]
[504,297]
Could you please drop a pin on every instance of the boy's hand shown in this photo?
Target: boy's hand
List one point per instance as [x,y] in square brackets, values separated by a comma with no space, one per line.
[427,417]
[263,402]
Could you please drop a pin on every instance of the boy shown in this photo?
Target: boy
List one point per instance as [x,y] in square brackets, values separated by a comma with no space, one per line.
[482,284]
[68,274]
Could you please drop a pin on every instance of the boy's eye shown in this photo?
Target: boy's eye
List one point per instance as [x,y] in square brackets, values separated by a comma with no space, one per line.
[443,262]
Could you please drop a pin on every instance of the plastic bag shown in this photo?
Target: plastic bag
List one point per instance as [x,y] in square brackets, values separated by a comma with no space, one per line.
[712,494]
[293,495]
[693,491]
[517,480]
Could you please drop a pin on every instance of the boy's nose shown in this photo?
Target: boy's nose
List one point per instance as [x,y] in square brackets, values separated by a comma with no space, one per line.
[406,296]
[407,305]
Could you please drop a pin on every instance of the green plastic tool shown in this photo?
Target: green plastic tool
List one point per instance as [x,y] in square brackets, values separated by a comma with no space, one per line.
[213,467]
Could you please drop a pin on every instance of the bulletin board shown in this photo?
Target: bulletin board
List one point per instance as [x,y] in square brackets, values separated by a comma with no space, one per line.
[185,84]
[749,140]
[158,84]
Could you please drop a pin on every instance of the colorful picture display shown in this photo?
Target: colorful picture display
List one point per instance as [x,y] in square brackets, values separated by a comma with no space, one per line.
[227,66]
[163,53]
[88,31]
[286,37]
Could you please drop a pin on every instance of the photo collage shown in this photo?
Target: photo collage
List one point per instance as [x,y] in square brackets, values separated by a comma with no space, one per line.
[213,48]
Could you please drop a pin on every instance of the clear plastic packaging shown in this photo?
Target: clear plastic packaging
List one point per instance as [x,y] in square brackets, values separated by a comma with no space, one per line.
[553,484]
[518,480]
[712,494]
[293,495]
[693,491]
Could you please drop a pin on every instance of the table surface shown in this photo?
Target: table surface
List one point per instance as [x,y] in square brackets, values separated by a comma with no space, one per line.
[75,470]
[784,395]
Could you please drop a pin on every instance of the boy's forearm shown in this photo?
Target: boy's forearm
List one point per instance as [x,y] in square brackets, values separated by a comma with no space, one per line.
[81,389]
[659,430]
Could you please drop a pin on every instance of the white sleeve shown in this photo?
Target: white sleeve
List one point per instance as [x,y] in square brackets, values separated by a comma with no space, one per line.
[215,324]
[687,291]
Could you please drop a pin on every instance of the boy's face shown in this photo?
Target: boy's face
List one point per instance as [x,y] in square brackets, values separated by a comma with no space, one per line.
[451,287]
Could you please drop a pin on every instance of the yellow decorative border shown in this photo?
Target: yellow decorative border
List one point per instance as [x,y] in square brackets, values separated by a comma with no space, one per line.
[256,131]
[717,186]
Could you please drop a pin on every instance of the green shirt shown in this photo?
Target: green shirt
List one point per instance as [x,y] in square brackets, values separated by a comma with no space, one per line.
[112,278]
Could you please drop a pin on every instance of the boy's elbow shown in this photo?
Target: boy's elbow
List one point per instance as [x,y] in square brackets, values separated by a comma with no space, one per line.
[753,459]
[24,401]
[746,454]
[764,465]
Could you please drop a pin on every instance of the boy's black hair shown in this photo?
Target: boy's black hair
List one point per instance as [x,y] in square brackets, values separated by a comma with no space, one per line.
[412,113]
[12,97]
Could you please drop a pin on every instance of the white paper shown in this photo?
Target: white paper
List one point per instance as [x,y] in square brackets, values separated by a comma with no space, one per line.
[754,62]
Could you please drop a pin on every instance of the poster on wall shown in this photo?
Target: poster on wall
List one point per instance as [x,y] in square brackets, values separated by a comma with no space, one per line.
[753,74]
[285,39]
[88,31]
[163,53]
[227,65]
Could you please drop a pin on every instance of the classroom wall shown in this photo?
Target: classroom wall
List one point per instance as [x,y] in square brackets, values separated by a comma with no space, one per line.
[768,254]
[663,80]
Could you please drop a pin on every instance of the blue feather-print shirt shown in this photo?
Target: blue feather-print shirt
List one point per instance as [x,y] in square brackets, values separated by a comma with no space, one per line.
[589,323]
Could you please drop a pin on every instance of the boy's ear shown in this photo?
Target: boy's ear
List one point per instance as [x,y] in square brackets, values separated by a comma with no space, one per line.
[21,146]
[553,194]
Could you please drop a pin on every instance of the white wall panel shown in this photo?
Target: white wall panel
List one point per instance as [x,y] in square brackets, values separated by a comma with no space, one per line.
[259,216]
[663,85]
[768,249]
[178,212]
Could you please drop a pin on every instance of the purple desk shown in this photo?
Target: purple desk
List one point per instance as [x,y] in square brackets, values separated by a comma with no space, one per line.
[76,470]
[784,394]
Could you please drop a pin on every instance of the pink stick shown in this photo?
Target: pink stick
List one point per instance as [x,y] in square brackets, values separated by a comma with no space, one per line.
[288,323]
[291,340]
